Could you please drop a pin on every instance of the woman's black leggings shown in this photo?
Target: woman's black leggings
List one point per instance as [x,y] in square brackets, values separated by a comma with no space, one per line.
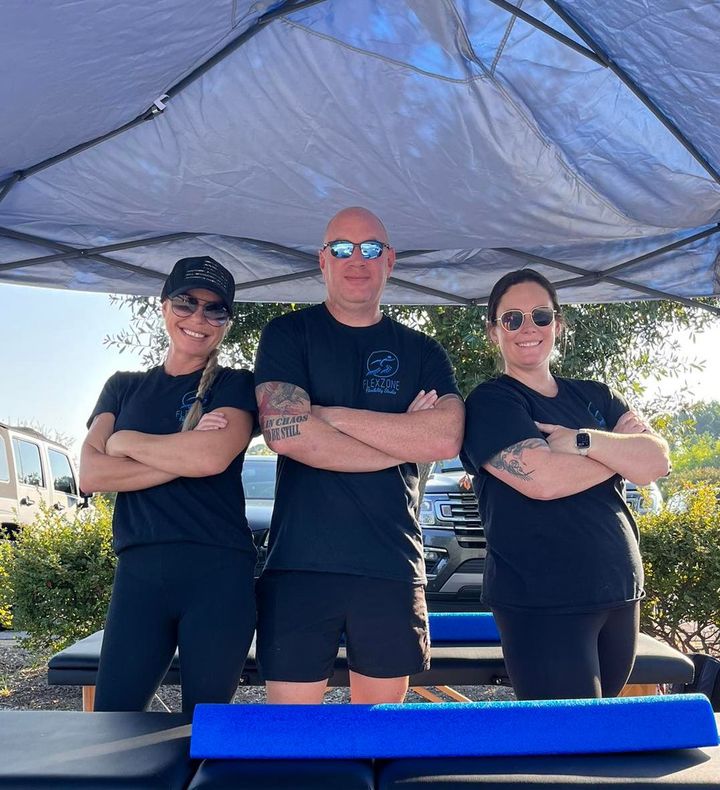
[569,656]
[197,598]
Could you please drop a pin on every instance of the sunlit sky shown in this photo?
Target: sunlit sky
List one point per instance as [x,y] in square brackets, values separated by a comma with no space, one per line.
[53,362]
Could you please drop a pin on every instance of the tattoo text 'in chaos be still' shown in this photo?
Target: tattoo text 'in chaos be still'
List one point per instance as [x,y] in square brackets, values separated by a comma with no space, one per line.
[275,428]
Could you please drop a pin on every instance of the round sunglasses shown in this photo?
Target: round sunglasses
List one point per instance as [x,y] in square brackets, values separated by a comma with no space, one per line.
[370,249]
[512,320]
[215,313]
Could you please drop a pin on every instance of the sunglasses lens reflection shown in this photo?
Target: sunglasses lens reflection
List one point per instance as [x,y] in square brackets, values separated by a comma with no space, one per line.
[342,249]
[512,320]
[215,313]
[370,250]
[542,316]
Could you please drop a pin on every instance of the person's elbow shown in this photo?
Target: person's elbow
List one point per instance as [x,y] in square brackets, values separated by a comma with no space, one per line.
[656,465]
[290,446]
[447,442]
[86,481]
[650,473]
[89,476]
[442,447]
[210,464]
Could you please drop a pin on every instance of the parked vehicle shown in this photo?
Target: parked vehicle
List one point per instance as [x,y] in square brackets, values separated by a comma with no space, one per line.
[33,470]
[259,484]
[453,537]
[645,499]
[680,501]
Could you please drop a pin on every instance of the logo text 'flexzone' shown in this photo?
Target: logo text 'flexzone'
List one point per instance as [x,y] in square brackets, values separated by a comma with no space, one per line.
[381,368]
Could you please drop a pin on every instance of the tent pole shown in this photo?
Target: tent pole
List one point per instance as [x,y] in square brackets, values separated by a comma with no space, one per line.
[600,277]
[158,106]
[636,89]
[597,57]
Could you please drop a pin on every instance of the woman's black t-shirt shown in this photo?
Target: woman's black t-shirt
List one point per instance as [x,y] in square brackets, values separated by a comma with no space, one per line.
[574,554]
[207,510]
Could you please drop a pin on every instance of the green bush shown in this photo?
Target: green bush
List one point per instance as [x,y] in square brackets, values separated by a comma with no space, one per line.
[681,553]
[61,576]
[6,591]
[690,478]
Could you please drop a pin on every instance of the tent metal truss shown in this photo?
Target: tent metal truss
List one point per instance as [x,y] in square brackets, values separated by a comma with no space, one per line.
[591,51]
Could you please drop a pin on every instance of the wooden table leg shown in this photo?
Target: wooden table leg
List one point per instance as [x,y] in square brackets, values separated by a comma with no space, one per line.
[639,690]
[88,698]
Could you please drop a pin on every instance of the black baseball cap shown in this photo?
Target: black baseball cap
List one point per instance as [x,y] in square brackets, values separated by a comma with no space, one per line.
[203,272]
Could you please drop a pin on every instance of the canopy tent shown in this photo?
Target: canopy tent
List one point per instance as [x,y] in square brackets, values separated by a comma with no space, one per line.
[578,137]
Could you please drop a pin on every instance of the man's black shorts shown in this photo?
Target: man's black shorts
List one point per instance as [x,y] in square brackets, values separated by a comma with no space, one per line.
[302,616]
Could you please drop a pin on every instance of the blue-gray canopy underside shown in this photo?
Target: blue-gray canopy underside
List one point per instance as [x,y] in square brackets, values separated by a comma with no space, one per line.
[580,138]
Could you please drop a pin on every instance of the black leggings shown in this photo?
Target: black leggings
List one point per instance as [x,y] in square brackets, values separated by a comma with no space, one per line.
[197,598]
[569,656]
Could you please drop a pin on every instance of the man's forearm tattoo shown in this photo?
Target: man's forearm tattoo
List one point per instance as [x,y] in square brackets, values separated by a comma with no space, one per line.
[282,427]
[283,409]
[510,459]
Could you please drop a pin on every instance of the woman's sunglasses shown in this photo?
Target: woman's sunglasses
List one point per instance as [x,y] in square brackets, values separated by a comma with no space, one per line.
[215,313]
[370,250]
[512,320]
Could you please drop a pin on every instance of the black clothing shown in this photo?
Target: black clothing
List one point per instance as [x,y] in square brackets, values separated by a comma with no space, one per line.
[568,656]
[185,556]
[197,598]
[575,554]
[362,522]
[208,510]
[304,615]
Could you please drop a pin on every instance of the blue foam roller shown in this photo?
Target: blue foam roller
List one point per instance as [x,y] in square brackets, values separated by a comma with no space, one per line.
[463,627]
[479,729]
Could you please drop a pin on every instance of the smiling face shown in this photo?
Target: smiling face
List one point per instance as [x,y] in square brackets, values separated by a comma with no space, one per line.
[355,284]
[192,338]
[529,348]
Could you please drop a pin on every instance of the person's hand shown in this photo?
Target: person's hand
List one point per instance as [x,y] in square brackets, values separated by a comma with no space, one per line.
[631,423]
[560,439]
[423,400]
[114,445]
[213,421]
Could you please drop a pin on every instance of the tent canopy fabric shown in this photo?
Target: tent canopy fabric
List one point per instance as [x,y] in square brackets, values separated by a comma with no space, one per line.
[576,137]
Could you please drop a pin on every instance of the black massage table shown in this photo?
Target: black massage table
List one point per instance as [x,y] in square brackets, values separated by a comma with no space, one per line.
[63,750]
[452,664]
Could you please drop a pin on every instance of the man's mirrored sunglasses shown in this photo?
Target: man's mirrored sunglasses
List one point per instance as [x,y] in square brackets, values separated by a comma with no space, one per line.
[215,313]
[370,249]
[512,320]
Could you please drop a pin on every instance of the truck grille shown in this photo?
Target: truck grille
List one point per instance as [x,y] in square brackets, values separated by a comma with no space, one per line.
[465,519]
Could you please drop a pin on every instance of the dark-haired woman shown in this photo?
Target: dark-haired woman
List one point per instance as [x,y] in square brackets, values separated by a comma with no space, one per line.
[184,577]
[548,456]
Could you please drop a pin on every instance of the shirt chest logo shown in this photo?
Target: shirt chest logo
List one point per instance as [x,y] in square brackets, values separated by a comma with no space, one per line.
[380,373]
[186,404]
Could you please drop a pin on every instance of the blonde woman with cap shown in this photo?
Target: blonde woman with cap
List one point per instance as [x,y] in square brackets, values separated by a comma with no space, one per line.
[184,577]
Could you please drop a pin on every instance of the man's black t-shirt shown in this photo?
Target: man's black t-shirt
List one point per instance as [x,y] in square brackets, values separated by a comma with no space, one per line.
[340,522]
[188,509]
[577,553]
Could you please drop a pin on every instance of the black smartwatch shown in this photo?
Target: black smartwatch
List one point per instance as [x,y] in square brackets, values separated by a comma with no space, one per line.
[582,442]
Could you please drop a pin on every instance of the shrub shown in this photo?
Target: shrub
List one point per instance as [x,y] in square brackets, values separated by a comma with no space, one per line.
[6,591]
[61,576]
[689,478]
[681,553]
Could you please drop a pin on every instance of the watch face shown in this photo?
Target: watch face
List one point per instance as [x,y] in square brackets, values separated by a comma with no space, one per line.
[582,440]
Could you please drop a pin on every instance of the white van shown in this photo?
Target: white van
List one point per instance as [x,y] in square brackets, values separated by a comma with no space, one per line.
[33,469]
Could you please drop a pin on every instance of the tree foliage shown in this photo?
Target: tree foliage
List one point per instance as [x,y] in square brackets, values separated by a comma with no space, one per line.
[621,344]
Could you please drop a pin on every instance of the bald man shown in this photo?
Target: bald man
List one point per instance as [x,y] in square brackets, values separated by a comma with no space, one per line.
[351,401]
